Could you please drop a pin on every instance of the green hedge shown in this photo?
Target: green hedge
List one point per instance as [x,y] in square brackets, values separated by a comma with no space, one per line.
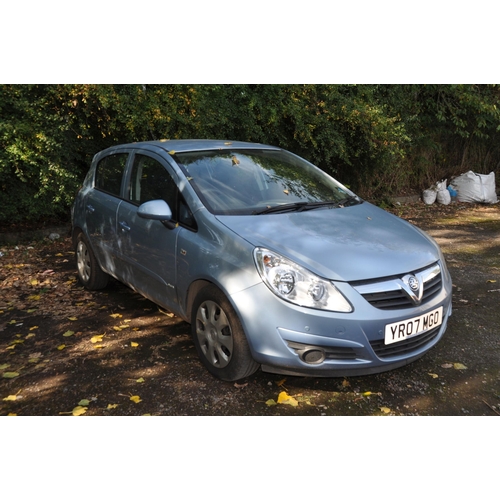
[379,139]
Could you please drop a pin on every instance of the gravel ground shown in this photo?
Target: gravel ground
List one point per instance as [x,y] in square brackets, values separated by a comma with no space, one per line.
[67,351]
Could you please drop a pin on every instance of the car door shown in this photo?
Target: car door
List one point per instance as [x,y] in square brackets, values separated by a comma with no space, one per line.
[101,206]
[147,248]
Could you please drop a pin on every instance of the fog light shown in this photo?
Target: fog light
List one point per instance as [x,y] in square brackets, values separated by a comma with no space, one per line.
[314,356]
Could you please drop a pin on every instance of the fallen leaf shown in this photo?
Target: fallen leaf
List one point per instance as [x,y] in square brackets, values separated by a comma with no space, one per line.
[79,410]
[459,366]
[367,393]
[135,399]
[68,333]
[12,414]
[140,380]
[10,375]
[61,347]
[134,344]
[99,346]
[491,281]
[116,315]
[112,407]
[433,375]
[345,383]
[33,328]
[271,402]
[281,382]
[4,366]
[447,365]
[97,338]
[384,409]
[34,297]
[84,402]
[12,397]
[73,318]
[285,399]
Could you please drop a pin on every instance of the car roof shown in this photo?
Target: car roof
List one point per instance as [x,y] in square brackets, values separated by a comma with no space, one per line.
[186,145]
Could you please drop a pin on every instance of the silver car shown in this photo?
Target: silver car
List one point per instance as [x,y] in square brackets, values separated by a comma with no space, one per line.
[273,263]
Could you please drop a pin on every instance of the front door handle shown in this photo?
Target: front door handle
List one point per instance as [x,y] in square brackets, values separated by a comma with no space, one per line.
[91,209]
[125,227]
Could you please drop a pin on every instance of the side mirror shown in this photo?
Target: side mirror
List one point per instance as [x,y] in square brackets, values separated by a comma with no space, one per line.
[157,210]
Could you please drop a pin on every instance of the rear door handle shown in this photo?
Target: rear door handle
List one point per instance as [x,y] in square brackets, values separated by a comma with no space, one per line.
[91,209]
[124,226]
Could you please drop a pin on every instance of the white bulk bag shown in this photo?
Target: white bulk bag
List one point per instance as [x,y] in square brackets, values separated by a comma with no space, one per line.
[475,188]
[443,195]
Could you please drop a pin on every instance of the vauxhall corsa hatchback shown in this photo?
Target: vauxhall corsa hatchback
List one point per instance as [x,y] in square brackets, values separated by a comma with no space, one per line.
[273,263]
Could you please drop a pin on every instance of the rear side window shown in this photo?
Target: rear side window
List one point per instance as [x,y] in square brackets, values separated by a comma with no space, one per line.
[109,173]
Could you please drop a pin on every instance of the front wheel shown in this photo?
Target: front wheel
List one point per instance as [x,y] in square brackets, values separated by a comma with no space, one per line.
[219,337]
[90,273]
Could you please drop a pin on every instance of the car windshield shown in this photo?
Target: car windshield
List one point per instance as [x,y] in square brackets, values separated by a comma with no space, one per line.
[254,182]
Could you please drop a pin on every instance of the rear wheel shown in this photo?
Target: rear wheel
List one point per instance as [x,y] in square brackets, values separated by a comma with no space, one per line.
[219,337]
[90,273]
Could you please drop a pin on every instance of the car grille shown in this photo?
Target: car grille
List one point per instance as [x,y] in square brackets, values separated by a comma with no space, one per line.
[389,294]
[404,347]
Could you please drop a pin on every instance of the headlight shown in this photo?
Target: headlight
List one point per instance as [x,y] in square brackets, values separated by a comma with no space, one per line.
[295,284]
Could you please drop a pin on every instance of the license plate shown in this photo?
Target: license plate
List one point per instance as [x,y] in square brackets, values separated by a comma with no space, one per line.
[396,332]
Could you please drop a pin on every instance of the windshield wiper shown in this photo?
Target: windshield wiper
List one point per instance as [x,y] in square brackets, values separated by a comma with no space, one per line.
[302,206]
[288,207]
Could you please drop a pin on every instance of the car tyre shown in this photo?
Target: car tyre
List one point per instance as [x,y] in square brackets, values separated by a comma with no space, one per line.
[90,274]
[219,337]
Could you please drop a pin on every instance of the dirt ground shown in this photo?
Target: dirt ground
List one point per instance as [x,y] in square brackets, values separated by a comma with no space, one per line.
[67,351]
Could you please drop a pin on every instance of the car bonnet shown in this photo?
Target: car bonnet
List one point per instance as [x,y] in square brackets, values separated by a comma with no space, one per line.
[346,244]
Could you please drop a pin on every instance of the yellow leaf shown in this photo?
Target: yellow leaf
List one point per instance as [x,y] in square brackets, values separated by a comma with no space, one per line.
[271,402]
[345,383]
[33,282]
[127,320]
[4,366]
[286,191]
[30,335]
[34,297]
[99,346]
[112,407]
[12,414]
[433,375]
[59,255]
[384,409]
[285,399]
[12,397]
[10,375]
[135,399]
[73,318]
[116,315]
[459,366]
[134,344]
[12,322]
[491,281]
[140,380]
[61,347]
[79,410]
[97,338]
[367,393]
[84,402]
[172,152]
[33,328]
[68,333]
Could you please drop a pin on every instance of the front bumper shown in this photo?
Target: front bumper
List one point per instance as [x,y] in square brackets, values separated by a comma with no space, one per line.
[293,340]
